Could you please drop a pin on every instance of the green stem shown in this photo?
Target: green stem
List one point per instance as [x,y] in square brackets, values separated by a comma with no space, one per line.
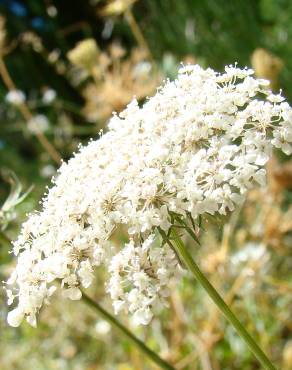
[137,342]
[186,257]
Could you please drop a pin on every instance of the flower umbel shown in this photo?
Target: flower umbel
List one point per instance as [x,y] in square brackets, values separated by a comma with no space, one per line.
[194,148]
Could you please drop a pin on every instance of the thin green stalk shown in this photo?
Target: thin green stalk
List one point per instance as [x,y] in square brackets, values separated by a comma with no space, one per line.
[123,330]
[186,257]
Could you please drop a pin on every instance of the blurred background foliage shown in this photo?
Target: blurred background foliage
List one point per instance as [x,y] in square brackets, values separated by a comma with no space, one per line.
[68,65]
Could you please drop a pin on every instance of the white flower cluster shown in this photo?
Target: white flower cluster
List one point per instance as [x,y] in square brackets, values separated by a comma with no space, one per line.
[194,148]
[49,96]
[15,97]
[140,278]
[38,123]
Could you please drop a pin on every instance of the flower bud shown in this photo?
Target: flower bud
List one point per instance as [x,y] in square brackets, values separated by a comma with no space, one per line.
[84,54]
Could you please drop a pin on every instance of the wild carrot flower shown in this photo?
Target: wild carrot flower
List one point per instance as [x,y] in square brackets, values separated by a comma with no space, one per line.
[49,96]
[15,97]
[38,123]
[194,148]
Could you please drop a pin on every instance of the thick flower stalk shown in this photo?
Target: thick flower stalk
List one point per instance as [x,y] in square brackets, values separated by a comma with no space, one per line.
[193,149]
